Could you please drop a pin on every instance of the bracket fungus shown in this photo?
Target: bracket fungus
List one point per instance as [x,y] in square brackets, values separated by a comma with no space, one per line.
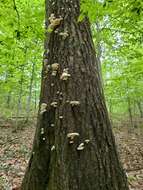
[74,103]
[54,104]
[42,131]
[64,34]
[81,146]
[52,148]
[87,141]
[55,66]
[71,136]
[71,142]
[54,22]
[60,117]
[54,73]
[43,107]
[65,75]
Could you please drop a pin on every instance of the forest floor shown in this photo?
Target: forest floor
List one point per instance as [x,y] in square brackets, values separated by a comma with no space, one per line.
[15,150]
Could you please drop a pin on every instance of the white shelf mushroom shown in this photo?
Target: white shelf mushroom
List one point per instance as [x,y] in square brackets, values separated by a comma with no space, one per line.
[54,73]
[54,104]
[55,66]
[74,103]
[71,136]
[43,107]
[60,117]
[81,146]
[64,34]
[65,75]
[42,131]
[54,22]
[87,141]
[52,148]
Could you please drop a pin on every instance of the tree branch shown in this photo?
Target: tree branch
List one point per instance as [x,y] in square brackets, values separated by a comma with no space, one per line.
[18,16]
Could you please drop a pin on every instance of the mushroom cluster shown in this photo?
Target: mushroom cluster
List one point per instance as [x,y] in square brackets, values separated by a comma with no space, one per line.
[43,107]
[71,137]
[54,22]
[74,103]
[55,67]
[65,75]
[54,104]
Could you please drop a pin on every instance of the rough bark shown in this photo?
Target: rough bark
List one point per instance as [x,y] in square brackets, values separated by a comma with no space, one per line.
[99,50]
[55,162]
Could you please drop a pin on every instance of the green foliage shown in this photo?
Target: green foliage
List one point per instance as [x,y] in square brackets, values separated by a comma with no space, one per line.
[21,45]
[117,28]
[118,33]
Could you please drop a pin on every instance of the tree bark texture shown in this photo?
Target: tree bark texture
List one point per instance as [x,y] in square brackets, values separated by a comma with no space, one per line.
[72,103]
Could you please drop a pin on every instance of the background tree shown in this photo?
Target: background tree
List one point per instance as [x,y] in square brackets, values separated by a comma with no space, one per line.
[73,147]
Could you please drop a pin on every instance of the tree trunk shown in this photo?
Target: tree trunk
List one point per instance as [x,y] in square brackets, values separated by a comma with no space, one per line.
[140,108]
[99,50]
[30,92]
[130,114]
[19,106]
[74,147]
[35,97]
[8,101]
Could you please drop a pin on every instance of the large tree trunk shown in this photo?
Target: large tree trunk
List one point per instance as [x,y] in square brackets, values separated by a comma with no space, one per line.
[72,102]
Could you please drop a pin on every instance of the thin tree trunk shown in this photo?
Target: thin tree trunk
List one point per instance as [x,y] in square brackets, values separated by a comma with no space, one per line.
[130,113]
[35,97]
[140,108]
[74,148]
[20,91]
[30,92]
[19,106]
[8,101]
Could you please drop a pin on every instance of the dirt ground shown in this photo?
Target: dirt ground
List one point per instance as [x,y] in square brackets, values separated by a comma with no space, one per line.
[15,150]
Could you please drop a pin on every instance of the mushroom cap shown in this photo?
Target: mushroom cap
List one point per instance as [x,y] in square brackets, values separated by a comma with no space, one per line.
[74,103]
[72,135]
[80,147]
[87,141]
